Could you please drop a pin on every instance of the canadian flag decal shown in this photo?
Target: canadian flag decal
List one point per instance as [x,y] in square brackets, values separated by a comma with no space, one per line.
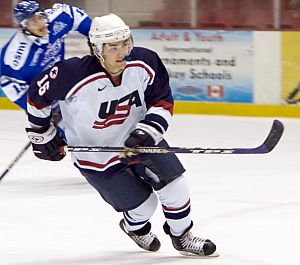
[215,91]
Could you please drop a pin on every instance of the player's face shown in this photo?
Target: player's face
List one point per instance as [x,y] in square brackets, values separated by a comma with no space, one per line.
[37,25]
[114,54]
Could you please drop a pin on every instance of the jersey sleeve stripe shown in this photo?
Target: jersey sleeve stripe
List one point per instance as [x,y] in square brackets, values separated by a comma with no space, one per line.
[158,119]
[163,104]
[39,113]
[36,105]
[160,112]
[38,121]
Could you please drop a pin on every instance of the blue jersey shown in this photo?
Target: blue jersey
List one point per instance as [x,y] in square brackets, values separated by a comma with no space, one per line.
[95,110]
[23,57]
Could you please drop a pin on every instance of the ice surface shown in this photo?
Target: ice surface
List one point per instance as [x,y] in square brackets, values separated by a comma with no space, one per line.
[249,205]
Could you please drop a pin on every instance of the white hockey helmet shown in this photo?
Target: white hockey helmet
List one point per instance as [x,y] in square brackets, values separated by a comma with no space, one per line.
[107,29]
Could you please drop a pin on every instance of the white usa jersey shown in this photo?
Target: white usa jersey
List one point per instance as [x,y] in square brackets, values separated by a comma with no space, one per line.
[97,112]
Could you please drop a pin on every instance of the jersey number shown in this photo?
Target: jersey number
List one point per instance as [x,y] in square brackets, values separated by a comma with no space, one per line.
[80,11]
[43,85]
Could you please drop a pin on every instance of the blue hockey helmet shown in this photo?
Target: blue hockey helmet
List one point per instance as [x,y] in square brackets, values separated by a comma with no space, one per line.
[25,9]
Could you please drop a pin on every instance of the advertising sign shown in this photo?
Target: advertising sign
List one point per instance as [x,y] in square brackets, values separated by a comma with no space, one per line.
[204,65]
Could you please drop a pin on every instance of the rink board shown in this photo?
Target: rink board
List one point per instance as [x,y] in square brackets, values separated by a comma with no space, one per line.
[267,87]
[215,108]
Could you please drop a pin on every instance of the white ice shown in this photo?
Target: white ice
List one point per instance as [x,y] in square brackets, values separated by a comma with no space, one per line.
[249,205]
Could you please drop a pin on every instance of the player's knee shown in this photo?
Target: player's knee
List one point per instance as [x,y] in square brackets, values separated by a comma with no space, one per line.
[175,193]
[145,210]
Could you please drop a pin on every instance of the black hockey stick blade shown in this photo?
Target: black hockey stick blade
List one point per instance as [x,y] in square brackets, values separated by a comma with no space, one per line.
[267,146]
[270,142]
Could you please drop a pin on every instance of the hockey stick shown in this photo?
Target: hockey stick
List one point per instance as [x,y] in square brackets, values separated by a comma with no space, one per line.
[291,97]
[20,154]
[292,101]
[266,147]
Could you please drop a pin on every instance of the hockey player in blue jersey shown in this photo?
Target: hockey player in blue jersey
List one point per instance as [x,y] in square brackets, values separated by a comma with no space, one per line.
[120,96]
[37,45]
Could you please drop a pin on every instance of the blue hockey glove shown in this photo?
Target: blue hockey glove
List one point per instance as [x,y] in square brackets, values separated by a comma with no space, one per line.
[145,134]
[46,143]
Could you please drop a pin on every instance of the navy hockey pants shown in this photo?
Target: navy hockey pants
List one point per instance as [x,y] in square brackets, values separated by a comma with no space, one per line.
[127,187]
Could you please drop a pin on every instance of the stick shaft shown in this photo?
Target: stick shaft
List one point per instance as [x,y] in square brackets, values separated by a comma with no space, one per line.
[20,154]
[267,146]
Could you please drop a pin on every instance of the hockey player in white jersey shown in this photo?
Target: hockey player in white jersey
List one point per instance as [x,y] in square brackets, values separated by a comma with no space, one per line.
[120,96]
[37,45]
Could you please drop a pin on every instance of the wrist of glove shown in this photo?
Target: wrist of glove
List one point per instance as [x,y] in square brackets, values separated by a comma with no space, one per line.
[144,134]
[46,143]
